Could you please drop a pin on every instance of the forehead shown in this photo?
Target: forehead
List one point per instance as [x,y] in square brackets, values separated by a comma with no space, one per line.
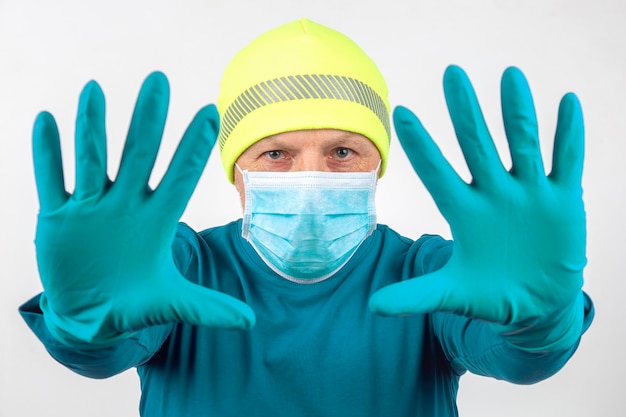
[312,138]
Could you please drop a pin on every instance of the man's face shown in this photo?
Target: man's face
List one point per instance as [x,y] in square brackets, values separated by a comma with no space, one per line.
[327,150]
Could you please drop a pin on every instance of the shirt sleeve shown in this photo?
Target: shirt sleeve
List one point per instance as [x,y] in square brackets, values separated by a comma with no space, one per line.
[472,345]
[98,363]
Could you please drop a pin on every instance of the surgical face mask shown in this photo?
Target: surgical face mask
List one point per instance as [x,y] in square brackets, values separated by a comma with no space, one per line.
[306,225]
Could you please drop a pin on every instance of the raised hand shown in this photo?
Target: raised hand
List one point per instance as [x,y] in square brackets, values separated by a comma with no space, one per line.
[519,234]
[104,251]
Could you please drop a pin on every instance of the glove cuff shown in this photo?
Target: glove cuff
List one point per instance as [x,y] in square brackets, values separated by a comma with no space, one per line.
[558,331]
[76,334]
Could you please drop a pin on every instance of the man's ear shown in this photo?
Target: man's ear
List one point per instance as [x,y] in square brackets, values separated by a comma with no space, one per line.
[238,183]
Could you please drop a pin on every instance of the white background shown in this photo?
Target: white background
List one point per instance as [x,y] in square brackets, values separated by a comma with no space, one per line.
[50,49]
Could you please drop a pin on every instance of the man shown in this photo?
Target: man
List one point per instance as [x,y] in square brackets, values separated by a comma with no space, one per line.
[285,312]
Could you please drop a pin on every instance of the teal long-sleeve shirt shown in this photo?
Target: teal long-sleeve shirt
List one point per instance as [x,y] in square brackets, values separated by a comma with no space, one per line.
[316,349]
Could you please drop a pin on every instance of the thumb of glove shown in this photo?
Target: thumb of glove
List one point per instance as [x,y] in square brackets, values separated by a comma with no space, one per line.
[420,295]
[192,304]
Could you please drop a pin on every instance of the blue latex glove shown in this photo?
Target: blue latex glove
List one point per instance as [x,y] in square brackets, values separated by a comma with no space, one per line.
[519,235]
[104,252]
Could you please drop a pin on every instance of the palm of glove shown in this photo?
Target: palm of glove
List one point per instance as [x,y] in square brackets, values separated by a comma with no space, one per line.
[519,235]
[103,260]
[104,252]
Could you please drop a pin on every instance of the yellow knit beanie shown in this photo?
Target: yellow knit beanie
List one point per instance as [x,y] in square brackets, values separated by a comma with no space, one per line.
[300,76]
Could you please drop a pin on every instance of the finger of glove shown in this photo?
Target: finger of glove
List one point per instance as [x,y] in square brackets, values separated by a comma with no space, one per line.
[569,143]
[48,163]
[520,124]
[471,130]
[91,155]
[438,176]
[199,306]
[144,134]
[189,161]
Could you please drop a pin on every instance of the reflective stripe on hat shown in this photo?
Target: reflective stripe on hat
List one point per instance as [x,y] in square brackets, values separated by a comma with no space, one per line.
[302,87]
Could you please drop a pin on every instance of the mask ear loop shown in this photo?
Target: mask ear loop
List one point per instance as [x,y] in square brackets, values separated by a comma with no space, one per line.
[246,199]
[377,170]
[243,176]
[245,229]
[371,205]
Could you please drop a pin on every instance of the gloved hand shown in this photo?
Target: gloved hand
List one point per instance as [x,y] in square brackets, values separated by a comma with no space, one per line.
[519,235]
[104,252]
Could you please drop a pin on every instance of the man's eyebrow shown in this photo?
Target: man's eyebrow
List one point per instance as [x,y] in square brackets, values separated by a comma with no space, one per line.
[351,138]
[341,138]
[267,141]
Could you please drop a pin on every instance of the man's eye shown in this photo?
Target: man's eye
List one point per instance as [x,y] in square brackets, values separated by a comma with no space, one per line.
[343,152]
[274,154]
